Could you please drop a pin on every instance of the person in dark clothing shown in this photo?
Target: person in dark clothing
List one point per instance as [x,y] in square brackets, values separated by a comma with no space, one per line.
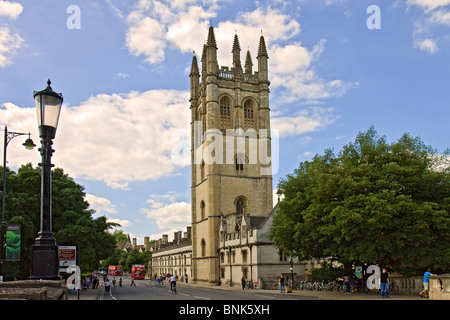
[384,284]
[243,283]
[282,284]
[347,284]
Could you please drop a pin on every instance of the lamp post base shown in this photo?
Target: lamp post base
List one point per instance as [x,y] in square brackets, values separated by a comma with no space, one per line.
[45,262]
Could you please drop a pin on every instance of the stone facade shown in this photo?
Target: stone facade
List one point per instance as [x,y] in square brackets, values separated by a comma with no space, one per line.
[231,176]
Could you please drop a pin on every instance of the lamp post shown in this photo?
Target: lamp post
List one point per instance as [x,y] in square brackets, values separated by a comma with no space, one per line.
[45,255]
[29,145]
[292,273]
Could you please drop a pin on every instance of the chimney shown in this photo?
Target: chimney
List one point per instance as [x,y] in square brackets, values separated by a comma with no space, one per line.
[134,243]
[188,231]
[165,239]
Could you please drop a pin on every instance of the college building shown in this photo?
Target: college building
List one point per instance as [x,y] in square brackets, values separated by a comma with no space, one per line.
[231,178]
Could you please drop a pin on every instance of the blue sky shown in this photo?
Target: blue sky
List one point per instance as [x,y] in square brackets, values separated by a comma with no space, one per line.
[124,74]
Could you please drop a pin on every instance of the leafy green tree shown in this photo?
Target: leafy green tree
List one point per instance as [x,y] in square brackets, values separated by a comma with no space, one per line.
[375,202]
[120,236]
[72,219]
[115,258]
[137,257]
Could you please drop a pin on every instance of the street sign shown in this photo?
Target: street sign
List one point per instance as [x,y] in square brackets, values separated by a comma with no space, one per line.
[67,257]
[13,242]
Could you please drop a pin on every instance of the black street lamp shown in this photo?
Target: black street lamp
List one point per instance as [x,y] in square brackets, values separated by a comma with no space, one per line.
[29,145]
[45,255]
[292,273]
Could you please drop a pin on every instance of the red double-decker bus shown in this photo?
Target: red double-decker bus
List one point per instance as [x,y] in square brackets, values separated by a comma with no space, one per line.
[115,270]
[138,271]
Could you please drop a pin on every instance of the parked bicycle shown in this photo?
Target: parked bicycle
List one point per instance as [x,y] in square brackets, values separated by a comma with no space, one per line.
[393,288]
[302,285]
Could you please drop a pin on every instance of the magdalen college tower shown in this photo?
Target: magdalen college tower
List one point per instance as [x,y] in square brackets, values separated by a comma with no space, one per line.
[230,152]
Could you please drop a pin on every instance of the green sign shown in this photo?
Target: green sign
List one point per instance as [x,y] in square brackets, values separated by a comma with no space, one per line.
[13,242]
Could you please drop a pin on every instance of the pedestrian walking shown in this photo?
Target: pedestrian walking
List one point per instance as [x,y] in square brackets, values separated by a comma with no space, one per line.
[347,284]
[107,285]
[384,284]
[132,282]
[84,284]
[426,283]
[243,283]
[120,282]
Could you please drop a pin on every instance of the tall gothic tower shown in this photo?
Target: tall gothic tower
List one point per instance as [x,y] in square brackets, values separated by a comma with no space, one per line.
[230,149]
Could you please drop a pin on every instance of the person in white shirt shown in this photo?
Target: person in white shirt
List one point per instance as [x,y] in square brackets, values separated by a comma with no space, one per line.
[173,283]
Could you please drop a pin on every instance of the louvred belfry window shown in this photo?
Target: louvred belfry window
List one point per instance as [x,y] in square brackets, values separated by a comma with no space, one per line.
[225,113]
[248,114]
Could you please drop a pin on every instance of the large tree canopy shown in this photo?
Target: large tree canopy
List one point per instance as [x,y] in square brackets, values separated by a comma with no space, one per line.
[374,202]
[73,223]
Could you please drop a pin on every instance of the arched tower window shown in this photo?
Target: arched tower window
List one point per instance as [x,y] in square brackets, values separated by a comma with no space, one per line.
[202,171]
[248,114]
[203,249]
[239,162]
[202,209]
[225,113]
[240,207]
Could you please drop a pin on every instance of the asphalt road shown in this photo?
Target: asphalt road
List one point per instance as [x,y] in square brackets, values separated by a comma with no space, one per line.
[149,290]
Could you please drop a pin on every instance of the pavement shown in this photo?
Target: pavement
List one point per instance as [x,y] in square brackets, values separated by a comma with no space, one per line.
[309,294]
[97,294]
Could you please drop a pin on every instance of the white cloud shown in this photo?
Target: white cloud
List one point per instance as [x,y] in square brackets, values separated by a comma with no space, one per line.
[123,223]
[168,215]
[429,5]
[441,16]
[436,13]
[298,78]
[177,23]
[101,205]
[305,121]
[155,26]
[298,57]
[146,37]
[9,44]
[428,45]
[121,138]
[11,10]
[115,138]
[183,32]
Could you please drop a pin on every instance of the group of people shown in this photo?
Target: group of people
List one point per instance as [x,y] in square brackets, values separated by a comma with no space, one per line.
[113,281]
[173,279]
[351,283]
[244,283]
[162,277]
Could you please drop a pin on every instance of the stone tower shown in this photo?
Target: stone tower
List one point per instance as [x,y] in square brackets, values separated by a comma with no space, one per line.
[230,149]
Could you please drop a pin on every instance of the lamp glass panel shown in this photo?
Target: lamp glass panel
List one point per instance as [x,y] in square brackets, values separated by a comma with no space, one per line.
[48,109]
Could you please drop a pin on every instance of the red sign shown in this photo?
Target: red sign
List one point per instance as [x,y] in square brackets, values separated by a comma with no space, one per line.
[67,256]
